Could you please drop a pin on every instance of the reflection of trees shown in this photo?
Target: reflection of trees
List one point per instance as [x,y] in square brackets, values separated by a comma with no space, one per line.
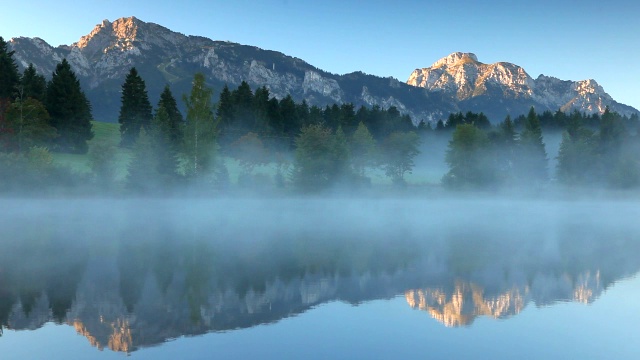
[43,265]
[151,279]
[496,273]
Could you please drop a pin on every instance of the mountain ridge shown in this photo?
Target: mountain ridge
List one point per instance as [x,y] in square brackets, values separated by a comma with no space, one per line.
[103,57]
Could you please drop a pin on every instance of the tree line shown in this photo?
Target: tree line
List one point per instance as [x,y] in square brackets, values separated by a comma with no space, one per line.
[312,148]
[596,150]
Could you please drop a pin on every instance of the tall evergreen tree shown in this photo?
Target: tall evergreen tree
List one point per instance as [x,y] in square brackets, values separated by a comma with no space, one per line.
[9,75]
[200,131]
[143,169]
[33,85]
[69,109]
[532,156]
[577,155]
[9,79]
[175,121]
[135,111]
[164,145]
[224,111]
[243,113]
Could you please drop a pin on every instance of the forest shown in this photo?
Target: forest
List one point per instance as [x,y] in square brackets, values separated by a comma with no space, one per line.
[248,139]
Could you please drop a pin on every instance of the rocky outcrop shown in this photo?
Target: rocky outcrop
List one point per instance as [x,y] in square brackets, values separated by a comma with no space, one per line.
[475,85]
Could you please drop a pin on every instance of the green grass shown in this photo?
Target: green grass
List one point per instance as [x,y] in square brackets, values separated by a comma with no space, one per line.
[106,138]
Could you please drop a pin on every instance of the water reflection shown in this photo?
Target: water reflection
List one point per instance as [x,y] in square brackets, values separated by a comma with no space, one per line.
[129,274]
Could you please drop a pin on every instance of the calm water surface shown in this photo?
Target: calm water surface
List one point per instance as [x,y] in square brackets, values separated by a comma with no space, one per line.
[319,278]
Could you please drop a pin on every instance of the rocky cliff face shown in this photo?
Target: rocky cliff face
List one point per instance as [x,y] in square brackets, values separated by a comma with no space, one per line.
[478,86]
[458,82]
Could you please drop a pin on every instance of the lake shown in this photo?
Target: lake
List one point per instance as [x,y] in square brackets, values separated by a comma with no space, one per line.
[320,278]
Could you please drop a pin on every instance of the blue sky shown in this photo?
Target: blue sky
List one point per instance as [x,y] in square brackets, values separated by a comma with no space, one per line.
[572,40]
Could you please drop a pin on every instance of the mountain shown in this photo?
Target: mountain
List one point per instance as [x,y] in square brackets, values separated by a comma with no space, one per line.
[458,82]
[507,88]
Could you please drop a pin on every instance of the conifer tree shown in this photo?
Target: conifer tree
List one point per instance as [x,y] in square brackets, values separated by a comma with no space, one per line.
[135,111]
[166,151]
[143,173]
[33,85]
[225,115]
[532,156]
[9,79]
[9,75]
[69,109]
[175,122]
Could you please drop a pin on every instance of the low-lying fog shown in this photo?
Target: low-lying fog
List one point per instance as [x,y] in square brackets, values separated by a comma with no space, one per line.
[213,265]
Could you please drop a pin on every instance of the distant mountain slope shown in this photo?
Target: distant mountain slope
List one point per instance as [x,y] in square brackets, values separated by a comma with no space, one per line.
[102,59]
[507,88]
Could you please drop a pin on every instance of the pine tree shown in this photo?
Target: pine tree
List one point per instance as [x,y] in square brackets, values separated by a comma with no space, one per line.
[340,149]
[143,173]
[9,75]
[33,85]
[175,123]
[577,155]
[200,131]
[69,109]
[225,115]
[135,111]
[9,79]
[243,114]
[164,147]
[532,157]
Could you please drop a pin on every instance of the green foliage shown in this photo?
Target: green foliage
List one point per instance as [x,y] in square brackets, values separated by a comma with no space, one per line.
[165,150]
[200,131]
[102,163]
[135,111]
[69,109]
[531,162]
[9,75]
[398,151]
[320,158]
[29,124]
[577,156]
[143,169]
[470,159]
[362,149]
[249,151]
[175,124]
[34,172]
[33,85]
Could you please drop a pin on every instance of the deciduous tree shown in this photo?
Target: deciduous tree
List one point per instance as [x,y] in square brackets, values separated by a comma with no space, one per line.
[200,131]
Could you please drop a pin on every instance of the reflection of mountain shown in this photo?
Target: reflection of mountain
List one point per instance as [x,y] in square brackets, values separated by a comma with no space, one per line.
[126,284]
[467,301]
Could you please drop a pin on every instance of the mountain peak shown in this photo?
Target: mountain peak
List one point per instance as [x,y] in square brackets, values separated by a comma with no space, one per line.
[455,58]
[124,28]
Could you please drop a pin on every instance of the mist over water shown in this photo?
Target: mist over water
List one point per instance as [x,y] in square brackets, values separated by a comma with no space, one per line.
[156,269]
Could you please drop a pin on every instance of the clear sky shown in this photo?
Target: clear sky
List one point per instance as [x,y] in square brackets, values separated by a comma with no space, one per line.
[568,39]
